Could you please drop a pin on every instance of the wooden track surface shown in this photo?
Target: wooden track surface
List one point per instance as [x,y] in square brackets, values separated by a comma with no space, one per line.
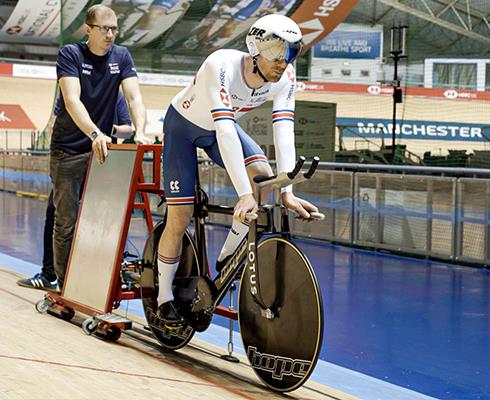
[44,357]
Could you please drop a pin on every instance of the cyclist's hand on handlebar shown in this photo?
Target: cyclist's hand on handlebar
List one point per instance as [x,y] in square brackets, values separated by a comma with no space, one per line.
[99,145]
[302,207]
[141,139]
[245,204]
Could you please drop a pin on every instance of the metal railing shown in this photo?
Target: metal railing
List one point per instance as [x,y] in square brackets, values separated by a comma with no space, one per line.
[442,213]
[13,141]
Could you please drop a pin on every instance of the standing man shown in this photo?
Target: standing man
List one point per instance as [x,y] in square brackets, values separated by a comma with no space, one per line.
[89,74]
[228,84]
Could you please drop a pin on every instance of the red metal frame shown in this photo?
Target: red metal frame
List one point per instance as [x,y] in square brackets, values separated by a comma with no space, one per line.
[138,185]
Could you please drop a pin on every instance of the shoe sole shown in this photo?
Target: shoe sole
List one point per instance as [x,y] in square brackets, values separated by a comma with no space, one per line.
[34,287]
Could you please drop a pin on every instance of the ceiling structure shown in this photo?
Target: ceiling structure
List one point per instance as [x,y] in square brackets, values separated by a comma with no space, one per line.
[436,28]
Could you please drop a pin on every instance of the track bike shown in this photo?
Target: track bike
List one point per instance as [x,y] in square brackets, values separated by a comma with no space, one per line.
[280,310]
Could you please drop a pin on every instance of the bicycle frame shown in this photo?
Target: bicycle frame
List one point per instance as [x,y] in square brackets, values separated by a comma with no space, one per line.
[233,267]
[260,226]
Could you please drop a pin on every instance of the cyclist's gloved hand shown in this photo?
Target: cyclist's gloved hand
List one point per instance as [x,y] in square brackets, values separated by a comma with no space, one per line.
[245,204]
[302,207]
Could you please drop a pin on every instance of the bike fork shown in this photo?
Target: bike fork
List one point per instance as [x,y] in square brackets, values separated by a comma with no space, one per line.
[253,271]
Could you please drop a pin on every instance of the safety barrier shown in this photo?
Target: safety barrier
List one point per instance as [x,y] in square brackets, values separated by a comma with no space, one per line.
[435,212]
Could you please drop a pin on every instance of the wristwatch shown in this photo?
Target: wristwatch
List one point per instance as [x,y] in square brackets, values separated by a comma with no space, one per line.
[94,135]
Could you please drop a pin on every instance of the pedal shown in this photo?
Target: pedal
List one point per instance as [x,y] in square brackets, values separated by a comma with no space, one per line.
[113,319]
[158,323]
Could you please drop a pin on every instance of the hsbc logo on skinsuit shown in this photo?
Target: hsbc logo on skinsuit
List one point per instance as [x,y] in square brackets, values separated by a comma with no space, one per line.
[186,104]
[224,97]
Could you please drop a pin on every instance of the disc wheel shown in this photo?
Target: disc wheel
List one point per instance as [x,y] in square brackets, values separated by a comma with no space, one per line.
[282,350]
[168,336]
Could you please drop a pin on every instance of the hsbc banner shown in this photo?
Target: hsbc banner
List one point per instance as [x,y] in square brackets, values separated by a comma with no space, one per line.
[33,22]
[426,130]
[317,18]
[12,116]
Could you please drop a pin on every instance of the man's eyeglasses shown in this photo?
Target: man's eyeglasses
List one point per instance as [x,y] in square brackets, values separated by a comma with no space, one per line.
[105,29]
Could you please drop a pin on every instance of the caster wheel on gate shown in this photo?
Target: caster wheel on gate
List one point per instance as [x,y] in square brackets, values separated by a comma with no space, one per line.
[89,326]
[42,306]
[67,313]
[113,333]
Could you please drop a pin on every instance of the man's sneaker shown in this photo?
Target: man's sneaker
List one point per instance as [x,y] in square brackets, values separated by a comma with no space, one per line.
[168,314]
[38,281]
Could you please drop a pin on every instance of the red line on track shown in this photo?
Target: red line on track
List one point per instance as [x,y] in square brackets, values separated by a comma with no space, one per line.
[109,371]
[211,382]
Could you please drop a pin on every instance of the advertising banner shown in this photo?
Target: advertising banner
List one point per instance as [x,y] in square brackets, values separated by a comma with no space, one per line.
[317,18]
[409,129]
[158,18]
[12,116]
[314,129]
[129,13]
[70,10]
[228,20]
[350,44]
[35,22]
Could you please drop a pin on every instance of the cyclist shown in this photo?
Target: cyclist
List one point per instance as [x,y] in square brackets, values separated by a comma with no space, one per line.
[228,84]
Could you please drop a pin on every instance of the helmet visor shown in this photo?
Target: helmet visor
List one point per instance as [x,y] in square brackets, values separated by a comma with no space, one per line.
[277,49]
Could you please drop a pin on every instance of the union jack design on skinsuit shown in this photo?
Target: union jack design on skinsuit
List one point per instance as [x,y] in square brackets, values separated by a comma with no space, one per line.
[219,84]
[282,115]
[179,201]
[220,114]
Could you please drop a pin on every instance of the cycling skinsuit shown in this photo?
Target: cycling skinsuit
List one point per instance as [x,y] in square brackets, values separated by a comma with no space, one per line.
[204,115]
